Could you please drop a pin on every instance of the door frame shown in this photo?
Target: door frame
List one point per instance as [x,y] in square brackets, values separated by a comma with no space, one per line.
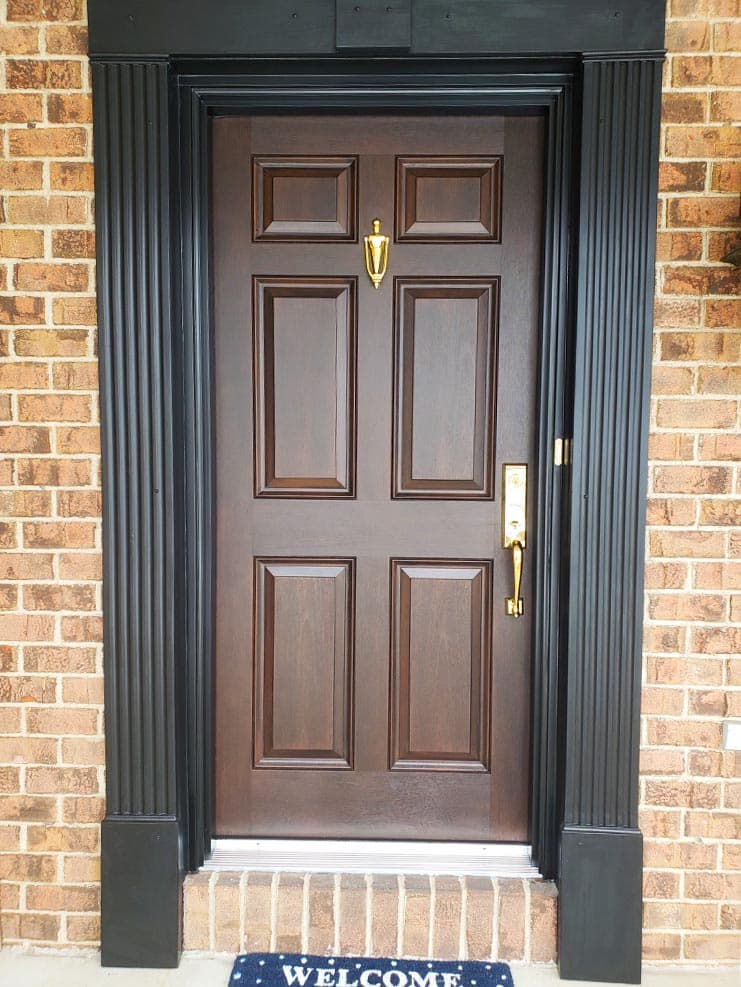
[151,150]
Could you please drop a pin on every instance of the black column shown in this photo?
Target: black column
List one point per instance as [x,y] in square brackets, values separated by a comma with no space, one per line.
[141,833]
[601,845]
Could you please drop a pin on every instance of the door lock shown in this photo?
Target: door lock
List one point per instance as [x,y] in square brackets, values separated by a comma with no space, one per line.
[514,528]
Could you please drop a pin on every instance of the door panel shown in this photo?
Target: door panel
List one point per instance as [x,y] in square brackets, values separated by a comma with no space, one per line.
[304,368]
[445,377]
[304,199]
[441,665]
[303,663]
[443,200]
[360,436]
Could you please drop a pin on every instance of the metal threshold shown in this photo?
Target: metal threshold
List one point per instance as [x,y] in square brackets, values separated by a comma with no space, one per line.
[373,857]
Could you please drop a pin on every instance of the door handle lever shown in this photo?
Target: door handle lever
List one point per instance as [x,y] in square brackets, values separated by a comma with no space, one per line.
[514,528]
[515,606]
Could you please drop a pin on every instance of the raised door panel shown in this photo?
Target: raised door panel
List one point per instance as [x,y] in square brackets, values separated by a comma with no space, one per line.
[304,199]
[303,663]
[441,665]
[445,387]
[448,199]
[304,364]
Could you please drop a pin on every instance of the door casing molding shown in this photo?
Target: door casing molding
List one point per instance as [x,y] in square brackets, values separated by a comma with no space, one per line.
[151,117]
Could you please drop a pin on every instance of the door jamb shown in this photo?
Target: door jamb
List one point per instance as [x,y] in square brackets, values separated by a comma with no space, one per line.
[201,100]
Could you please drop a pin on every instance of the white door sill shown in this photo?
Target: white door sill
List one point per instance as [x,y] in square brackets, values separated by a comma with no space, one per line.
[373,857]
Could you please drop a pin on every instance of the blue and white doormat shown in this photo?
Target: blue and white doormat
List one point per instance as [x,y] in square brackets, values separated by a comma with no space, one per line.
[304,970]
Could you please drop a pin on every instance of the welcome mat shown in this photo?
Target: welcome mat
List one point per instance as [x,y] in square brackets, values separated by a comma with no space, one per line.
[305,970]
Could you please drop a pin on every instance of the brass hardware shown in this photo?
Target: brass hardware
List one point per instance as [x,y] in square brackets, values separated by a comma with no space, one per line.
[376,254]
[514,528]
[562,452]
[515,606]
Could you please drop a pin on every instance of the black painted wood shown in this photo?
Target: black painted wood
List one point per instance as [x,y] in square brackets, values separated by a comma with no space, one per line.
[298,27]
[141,891]
[373,25]
[143,708]
[551,521]
[600,906]
[619,161]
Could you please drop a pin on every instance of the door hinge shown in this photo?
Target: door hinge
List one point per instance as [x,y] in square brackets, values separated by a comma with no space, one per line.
[562,452]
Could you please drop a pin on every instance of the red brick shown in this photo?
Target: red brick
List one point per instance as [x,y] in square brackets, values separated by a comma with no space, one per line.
[725,176]
[48,142]
[71,176]
[17,565]
[79,439]
[53,472]
[21,310]
[74,311]
[511,920]
[692,479]
[59,534]
[51,342]
[20,175]
[57,658]
[83,629]
[66,40]
[352,914]
[682,176]
[19,40]
[43,74]
[683,107]
[62,898]
[289,912]
[257,912]
[687,36]
[73,243]
[23,627]
[321,917]
[703,211]
[227,913]
[46,209]
[678,246]
[62,722]
[52,277]
[384,915]
[21,108]
[543,922]
[83,928]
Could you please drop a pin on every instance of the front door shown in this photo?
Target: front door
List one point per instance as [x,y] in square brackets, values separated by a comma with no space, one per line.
[369,682]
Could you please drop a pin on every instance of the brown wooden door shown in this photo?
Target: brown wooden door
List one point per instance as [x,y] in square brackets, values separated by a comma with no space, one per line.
[368,682]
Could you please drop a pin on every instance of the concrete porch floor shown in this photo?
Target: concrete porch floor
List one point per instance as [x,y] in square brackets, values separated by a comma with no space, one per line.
[19,969]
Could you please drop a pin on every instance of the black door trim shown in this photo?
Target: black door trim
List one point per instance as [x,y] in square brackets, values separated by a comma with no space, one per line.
[151,152]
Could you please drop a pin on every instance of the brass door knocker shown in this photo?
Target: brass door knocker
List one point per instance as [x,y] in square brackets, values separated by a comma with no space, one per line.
[376,253]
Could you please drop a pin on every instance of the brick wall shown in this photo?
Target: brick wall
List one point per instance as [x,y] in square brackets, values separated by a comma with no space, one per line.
[692,668]
[383,915]
[50,660]
[51,744]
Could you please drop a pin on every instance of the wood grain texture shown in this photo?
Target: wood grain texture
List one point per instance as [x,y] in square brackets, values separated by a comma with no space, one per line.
[304,199]
[448,199]
[483,795]
[445,387]
[303,663]
[440,665]
[304,384]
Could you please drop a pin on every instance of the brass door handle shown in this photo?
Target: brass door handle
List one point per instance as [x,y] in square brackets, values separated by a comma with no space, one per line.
[515,606]
[514,528]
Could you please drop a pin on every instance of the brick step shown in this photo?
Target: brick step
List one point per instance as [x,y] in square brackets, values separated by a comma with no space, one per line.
[374,914]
